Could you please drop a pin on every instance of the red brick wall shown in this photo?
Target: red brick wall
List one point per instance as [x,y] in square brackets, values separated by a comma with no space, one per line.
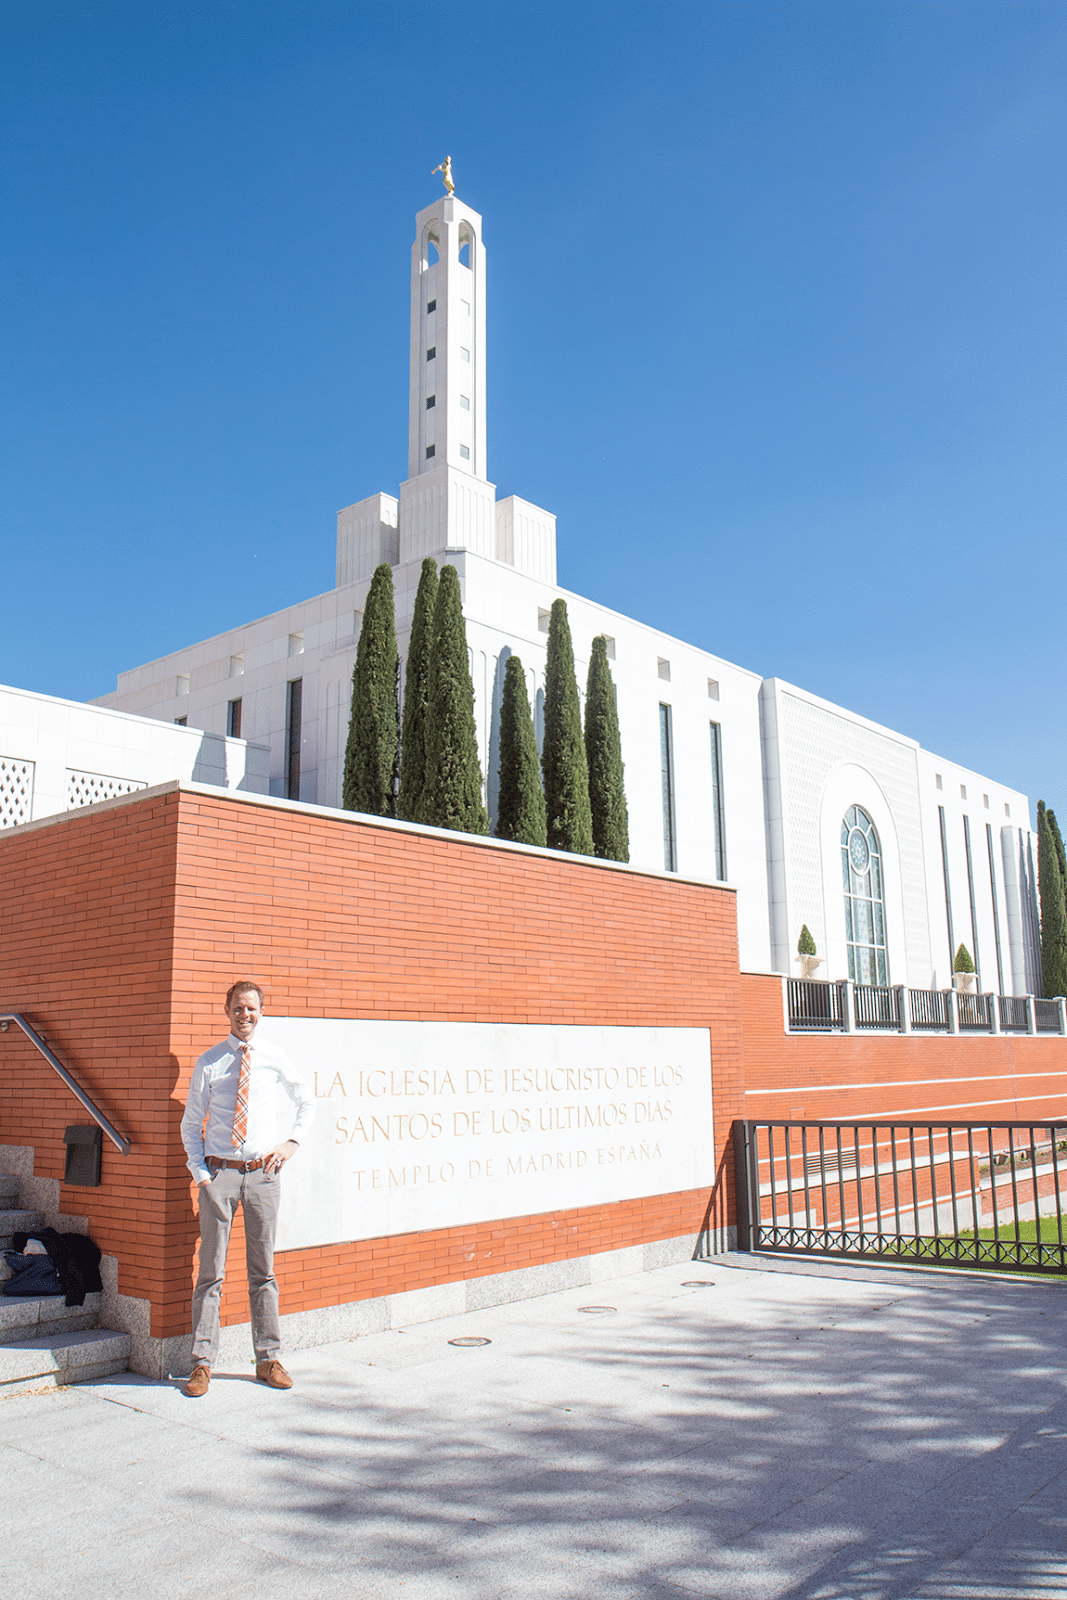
[345,919]
[86,926]
[124,926]
[959,1078]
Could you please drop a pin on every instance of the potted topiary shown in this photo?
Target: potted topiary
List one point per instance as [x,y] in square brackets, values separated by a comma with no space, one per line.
[963,970]
[806,956]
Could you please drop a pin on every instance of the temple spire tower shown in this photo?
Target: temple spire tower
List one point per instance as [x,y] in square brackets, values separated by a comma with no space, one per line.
[447,502]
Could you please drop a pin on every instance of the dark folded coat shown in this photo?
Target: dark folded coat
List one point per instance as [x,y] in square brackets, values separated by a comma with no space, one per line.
[75,1258]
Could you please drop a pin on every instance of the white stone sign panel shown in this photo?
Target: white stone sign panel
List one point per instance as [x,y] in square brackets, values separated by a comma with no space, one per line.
[438,1124]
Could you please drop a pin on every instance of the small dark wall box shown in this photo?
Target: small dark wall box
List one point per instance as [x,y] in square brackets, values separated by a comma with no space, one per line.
[83,1156]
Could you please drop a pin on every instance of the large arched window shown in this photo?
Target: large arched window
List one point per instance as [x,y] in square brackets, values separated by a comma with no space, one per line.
[861,867]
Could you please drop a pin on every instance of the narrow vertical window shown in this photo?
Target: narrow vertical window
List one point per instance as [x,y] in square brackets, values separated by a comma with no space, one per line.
[948,888]
[718,811]
[294,696]
[666,756]
[233,719]
[861,867]
[996,910]
[970,891]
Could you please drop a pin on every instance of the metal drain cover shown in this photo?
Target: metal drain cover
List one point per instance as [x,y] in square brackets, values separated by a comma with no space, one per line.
[469,1343]
[595,1310]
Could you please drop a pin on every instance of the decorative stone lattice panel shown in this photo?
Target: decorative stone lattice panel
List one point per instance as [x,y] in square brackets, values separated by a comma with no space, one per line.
[16,792]
[816,740]
[86,788]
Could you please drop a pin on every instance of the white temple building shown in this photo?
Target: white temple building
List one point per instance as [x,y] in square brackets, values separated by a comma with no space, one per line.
[892,856]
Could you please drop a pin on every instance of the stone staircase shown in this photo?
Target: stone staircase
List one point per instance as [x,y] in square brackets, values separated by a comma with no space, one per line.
[44,1343]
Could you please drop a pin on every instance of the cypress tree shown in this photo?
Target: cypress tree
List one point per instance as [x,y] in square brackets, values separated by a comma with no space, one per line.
[417,695]
[1054,829]
[603,752]
[563,763]
[452,793]
[520,814]
[373,749]
[1053,893]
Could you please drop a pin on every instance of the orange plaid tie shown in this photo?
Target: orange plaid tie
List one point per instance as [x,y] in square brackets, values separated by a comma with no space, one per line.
[240,1115]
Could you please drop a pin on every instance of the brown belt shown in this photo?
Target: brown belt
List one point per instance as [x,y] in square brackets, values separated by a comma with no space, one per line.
[237,1166]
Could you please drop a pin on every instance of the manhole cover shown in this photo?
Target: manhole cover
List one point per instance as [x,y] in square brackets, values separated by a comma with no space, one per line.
[468,1344]
[698,1283]
[596,1310]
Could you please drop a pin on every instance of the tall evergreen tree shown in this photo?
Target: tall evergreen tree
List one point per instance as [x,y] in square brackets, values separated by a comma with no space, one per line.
[563,763]
[1057,839]
[452,793]
[603,752]
[417,695]
[1053,892]
[520,812]
[373,749]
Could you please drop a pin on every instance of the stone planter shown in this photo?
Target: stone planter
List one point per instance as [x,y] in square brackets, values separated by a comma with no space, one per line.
[808,965]
[964,982]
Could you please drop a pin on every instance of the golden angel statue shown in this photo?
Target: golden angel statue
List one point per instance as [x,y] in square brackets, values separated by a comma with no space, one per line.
[445,169]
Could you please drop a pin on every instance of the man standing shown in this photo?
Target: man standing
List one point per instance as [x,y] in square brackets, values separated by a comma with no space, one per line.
[230,1135]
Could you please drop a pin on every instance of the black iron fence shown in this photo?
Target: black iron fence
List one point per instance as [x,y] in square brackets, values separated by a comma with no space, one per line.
[1014,1014]
[983,1194]
[1047,1016]
[819,1006]
[973,1012]
[814,1006]
[929,1010]
[876,1008]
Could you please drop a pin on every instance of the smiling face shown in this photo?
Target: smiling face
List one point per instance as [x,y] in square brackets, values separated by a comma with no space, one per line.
[244,1011]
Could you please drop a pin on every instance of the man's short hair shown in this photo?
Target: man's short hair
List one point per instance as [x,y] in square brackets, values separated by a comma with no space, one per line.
[240,988]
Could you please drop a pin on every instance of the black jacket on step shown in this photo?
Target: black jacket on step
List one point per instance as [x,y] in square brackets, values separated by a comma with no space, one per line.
[76,1260]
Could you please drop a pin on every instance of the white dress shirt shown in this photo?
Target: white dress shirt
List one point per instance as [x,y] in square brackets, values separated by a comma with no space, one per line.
[207,1126]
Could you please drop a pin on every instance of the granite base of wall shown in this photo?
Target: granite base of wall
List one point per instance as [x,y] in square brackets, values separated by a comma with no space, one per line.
[302,1330]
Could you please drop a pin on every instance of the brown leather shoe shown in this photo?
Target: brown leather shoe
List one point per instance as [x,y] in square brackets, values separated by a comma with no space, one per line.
[274,1374]
[198,1380]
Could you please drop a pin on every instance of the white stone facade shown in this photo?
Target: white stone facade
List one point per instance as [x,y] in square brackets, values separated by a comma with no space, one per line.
[59,755]
[789,765]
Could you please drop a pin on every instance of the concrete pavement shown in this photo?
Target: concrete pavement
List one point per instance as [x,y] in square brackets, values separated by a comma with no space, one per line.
[784,1431]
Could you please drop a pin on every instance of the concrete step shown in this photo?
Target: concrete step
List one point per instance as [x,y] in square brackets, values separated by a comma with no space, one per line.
[9,1189]
[15,1221]
[46,1318]
[66,1358]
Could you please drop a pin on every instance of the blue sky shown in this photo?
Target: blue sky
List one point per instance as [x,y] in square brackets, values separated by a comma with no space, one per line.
[776,325]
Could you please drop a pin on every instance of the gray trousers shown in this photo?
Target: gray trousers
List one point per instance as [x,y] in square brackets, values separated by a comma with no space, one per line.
[258,1194]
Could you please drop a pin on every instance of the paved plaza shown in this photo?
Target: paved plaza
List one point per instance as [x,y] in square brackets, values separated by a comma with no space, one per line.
[784,1429]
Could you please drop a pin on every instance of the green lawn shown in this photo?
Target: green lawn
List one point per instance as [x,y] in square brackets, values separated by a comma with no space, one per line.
[1028,1231]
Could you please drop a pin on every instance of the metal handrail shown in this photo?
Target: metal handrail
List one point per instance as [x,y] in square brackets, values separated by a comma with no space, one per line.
[6,1017]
